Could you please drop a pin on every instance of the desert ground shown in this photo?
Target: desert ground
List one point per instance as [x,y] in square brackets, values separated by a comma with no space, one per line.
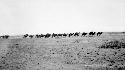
[74,53]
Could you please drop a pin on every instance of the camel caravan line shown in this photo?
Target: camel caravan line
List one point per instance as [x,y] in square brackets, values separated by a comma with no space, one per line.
[60,35]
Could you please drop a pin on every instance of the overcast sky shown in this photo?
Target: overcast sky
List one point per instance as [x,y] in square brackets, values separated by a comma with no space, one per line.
[59,16]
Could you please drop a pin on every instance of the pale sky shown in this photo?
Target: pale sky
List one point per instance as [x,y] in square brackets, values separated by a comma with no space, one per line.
[59,16]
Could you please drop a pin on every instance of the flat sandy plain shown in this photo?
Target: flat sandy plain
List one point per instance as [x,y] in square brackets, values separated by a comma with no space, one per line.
[43,45]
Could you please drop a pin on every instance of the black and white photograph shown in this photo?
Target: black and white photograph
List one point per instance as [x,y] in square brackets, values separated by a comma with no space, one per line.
[62,34]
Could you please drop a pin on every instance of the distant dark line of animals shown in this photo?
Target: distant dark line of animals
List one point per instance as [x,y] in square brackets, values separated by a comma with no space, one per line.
[54,35]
